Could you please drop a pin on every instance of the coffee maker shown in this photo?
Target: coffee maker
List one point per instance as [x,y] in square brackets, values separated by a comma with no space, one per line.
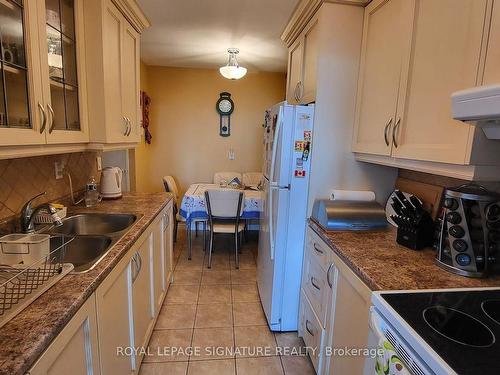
[468,243]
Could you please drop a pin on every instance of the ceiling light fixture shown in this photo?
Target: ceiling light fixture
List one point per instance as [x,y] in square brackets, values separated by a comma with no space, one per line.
[232,70]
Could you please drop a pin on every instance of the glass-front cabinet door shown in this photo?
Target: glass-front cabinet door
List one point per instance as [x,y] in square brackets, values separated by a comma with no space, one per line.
[62,64]
[22,113]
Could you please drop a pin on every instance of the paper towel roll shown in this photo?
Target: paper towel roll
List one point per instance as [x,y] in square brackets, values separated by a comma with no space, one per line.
[352,195]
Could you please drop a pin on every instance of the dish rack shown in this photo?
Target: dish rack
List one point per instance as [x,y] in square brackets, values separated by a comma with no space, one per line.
[21,284]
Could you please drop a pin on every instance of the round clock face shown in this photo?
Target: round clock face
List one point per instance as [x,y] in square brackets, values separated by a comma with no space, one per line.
[225,106]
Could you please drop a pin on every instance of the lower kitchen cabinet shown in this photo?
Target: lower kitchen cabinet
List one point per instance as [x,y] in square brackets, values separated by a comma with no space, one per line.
[334,309]
[75,349]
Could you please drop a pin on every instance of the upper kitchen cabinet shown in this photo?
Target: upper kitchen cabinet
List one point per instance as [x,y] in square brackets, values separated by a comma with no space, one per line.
[492,67]
[403,114]
[302,61]
[22,111]
[61,31]
[113,52]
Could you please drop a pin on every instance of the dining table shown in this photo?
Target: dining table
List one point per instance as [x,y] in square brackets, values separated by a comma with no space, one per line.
[193,207]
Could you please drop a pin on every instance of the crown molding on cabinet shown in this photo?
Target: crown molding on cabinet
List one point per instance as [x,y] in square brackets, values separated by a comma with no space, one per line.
[463,172]
[134,14]
[303,13]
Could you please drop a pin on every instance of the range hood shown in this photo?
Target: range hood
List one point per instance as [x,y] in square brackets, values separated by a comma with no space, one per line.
[479,106]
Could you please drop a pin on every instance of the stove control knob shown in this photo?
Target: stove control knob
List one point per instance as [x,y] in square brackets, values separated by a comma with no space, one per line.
[456,231]
[460,245]
[451,203]
[463,259]
[453,217]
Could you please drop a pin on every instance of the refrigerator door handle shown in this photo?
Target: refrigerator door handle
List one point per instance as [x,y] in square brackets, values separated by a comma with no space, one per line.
[273,183]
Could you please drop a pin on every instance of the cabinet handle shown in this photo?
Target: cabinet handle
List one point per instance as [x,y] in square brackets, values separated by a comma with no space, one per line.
[129,127]
[386,128]
[301,90]
[44,118]
[134,267]
[126,124]
[295,92]
[395,132]
[318,249]
[52,115]
[330,267]
[313,283]
[308,329]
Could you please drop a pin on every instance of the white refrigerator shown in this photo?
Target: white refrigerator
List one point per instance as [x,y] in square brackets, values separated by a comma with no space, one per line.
[287,160]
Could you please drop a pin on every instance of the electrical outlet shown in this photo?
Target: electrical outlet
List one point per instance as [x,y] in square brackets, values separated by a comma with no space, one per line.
[59,169]
[99,163]
[231,155]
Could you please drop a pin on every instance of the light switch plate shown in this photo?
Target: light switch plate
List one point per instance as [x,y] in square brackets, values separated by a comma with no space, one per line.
[231,155]
[59,169]
[99,163]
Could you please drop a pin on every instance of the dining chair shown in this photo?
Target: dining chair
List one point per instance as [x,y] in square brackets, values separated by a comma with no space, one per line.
[252,178]
[227,176]
[171,187]
[225,208]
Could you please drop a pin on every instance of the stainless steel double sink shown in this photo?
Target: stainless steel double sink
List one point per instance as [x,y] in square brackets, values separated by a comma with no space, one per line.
[88,237]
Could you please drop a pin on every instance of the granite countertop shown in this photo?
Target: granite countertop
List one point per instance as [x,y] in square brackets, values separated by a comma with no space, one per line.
[25,337]
[384,265]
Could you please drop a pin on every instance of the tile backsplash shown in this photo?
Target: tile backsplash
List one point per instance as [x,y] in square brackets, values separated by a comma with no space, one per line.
[21,179]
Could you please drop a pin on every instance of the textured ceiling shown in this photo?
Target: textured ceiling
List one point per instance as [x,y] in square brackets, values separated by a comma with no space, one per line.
[197,33]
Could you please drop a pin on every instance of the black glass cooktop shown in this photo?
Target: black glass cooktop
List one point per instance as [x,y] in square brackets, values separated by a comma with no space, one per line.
[463,327]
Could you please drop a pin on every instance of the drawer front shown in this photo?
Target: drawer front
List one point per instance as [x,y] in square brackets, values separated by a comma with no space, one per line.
[311,330]
[318,249]
[316,287]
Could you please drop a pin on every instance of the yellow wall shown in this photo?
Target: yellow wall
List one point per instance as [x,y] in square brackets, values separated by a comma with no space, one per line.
[185,124]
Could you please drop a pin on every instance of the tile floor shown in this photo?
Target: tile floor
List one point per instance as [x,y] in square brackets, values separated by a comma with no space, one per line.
[209,313]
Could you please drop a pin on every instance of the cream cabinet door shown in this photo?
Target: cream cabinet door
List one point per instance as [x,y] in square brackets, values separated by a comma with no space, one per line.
[23,114]
[310,63]
[130,80]
[295,59]
[168,246]
[384,36]
[142,293]
[492,68]
[116,124]
[158,265]
[445,57]
[75,350]
[115,321]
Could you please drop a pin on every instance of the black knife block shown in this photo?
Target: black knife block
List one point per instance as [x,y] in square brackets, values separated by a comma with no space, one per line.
[416,234]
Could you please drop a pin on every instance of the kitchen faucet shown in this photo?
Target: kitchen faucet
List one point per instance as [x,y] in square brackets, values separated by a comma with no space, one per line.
[28,214]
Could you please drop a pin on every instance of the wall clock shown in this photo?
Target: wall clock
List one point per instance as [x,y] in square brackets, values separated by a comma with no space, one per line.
[225,106]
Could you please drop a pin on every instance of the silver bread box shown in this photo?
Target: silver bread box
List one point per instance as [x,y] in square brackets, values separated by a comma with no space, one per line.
[349,215]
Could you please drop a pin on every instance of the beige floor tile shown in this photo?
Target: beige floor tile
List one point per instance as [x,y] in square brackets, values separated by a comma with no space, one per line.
[254,341]
[176,317]
[243,276]
[213,367]
[247,263]
[161,342]
[298,365]
[214,315]
[248,314]
[245,293]
[187,277]
[211,277]
[189,265]
[259,366]
[291,343]
[213,343]
[220,262]
[184,294]
[215,294]
[171,368]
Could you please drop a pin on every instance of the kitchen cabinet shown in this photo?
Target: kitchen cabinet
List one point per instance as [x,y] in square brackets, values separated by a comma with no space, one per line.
[75,349]
[113,54]
[492,68]
[334,309]
[115,319]
[302,61]
[403,109]
[143,292]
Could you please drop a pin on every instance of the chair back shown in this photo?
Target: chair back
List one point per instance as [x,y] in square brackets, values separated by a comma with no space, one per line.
[224,203]
[171,186]
[228,176]
[252,178]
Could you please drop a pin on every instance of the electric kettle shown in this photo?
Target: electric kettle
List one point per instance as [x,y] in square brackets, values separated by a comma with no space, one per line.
[111,183]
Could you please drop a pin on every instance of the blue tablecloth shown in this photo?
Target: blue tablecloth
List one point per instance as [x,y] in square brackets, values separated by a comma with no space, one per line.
[193,203]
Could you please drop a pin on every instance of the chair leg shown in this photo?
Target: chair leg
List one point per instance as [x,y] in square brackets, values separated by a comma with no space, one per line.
[236,253]
[210,249]
[204,235]
[176,225]
[240,247]
[196,228]
[247,222]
